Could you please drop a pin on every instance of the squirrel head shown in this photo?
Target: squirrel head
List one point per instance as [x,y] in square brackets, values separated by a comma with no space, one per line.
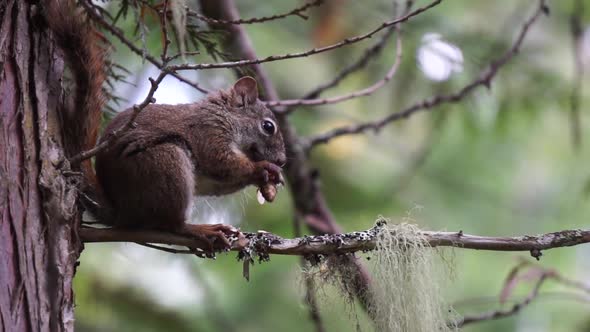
[258,135]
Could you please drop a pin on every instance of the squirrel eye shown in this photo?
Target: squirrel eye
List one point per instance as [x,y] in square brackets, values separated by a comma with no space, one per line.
[268,127]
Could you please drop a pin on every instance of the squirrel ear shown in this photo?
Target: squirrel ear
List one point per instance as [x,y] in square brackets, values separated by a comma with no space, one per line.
[246,90]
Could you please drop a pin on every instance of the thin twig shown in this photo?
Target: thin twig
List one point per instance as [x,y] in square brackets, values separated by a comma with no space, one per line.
[501,313]
[347,41]
[552,295]
[295,12]
[89,7]
[483,79]
[541,274]
[164,24]
[360,93]
[360,63]
[357,65]
[137,108]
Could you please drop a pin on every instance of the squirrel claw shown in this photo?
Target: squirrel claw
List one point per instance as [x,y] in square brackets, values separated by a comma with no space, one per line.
[281,180]
[270,173]
[214,235]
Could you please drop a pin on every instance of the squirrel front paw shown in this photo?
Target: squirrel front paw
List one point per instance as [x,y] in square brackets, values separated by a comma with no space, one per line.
[267,172]
[269,176]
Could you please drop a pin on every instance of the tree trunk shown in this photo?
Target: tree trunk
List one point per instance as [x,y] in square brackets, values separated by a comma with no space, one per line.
[38,246]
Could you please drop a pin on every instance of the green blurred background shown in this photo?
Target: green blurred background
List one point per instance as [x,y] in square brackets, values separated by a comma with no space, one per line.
[501,162]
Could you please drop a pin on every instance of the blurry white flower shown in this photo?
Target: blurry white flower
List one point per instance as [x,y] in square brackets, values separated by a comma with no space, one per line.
[438,59]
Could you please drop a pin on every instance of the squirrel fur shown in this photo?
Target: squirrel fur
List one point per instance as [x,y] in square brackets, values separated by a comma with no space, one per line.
[84,55]
[148,176]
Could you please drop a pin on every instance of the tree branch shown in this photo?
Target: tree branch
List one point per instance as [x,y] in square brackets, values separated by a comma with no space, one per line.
[295,12]
[361,93]
[502,313]
[111,136]
[89,7]
[483,79]
[349,242]
[360,63]
[532,272]
[347,41]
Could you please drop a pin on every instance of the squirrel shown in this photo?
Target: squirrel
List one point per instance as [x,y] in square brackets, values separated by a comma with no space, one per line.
[148,176]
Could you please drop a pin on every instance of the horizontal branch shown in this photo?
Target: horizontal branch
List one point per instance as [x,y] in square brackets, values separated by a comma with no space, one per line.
[347,41]
[349,242]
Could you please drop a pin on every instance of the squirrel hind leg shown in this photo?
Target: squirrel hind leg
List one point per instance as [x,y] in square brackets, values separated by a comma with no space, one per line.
[152,189]
[215,236]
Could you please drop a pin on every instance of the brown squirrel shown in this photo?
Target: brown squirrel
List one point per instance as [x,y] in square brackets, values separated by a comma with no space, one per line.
[147,177]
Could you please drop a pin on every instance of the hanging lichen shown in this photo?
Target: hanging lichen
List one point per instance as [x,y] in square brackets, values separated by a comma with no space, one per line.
[406,281]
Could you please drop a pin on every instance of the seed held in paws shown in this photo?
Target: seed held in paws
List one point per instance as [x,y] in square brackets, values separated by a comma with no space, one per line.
[267,193]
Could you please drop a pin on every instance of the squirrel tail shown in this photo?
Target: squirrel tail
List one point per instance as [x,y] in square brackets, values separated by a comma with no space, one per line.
[81,120]
[86,59]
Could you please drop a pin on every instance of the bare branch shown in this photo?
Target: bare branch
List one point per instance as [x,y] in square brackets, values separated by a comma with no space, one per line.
[352,242]
[309,246]
[502,313]
[360,93]
[357,65]
[534,271]
[121,36]
[347,41]
[164,25]
[295,12]
[110,137]
[483,79]
[360,63]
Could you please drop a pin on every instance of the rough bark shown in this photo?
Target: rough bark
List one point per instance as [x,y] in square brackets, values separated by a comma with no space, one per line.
[37,243]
